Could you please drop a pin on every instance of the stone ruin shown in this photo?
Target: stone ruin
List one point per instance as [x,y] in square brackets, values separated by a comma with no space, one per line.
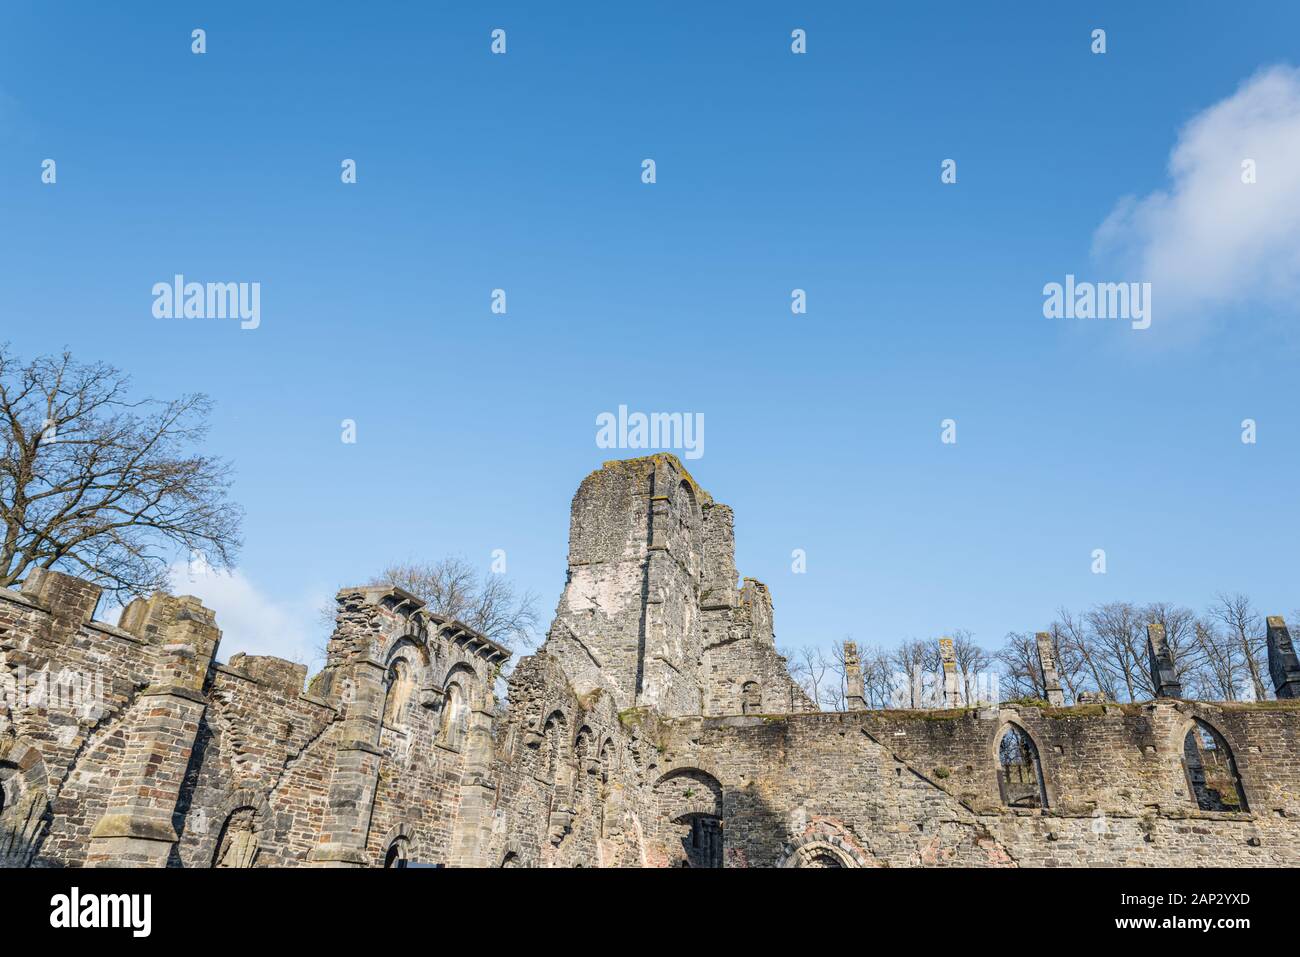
[656,726]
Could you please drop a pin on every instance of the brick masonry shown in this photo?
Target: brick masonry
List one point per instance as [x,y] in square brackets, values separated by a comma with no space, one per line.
[656,726]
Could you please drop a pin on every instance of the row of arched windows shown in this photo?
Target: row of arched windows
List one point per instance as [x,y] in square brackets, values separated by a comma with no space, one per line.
[1212,778]
[586,758]
[454,720]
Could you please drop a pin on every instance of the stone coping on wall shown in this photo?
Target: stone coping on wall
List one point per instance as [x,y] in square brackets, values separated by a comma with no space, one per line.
[18,598]
[991,713]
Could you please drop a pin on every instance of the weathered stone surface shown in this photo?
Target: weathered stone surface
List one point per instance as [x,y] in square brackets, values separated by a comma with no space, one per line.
[1283,666]
[1047,664]
[657,726]
[855,693]
[1164,676]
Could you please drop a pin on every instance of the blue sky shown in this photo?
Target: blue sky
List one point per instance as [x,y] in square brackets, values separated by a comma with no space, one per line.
[775,171]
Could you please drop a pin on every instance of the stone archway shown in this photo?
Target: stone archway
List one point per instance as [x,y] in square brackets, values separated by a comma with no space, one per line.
[825,843]
[819,854]
[689,806]
[24,809]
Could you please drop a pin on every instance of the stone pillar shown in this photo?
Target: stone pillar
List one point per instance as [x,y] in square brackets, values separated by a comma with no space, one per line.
[471,842]
[1164,677]
[136,828]
[855,694]
[951,680]
[1047,662]
[1282,662]
[346,826]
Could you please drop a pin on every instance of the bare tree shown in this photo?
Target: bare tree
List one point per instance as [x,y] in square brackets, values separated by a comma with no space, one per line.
[835,695]
[972,661]
[1021,668]
[1079,661]
[1218,679]
[1119,636]
[103,486]
[813,666]
[454,588]
[916,659]
[877,677]
[1242,622]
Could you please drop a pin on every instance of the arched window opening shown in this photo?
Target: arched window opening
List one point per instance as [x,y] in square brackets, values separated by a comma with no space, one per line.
[237,846]
[401,682]
[584,753]
[1211,770]
[690,522]
[606,760]
[397,854]
[553,747]
[689,510]
[510,860]
[1020,775]
[751,698]
[455,717]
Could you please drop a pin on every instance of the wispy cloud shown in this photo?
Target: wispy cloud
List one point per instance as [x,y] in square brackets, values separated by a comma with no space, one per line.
[1210,240]
[253,621]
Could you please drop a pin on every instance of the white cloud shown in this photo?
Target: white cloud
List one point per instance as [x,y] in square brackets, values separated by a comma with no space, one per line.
[1210,241]
[254,622]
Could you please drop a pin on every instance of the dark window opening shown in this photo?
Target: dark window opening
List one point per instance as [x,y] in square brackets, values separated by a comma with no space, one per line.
[396,856]
[703,841]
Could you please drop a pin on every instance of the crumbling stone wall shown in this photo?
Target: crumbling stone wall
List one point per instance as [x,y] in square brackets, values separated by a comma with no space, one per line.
[908,788]
[741,669]
[656,727]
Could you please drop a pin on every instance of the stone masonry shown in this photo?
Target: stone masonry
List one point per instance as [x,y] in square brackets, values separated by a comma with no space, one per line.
[656,726]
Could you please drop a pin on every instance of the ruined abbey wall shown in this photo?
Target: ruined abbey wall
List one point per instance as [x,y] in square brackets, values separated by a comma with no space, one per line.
[911,788]
[656,726]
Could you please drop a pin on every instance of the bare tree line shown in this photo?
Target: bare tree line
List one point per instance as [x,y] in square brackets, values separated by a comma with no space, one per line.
[823,674]
[1220,654]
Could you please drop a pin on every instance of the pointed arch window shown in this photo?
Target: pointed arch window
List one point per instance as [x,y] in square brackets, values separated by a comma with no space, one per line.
[1020,772]
[401,682]
[455,717]
[1212,774]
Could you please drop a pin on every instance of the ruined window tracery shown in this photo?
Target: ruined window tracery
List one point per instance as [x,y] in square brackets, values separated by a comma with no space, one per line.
[1020,774]
[1212,770]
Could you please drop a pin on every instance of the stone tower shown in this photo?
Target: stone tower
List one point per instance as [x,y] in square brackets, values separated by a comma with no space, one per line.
[651,588]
